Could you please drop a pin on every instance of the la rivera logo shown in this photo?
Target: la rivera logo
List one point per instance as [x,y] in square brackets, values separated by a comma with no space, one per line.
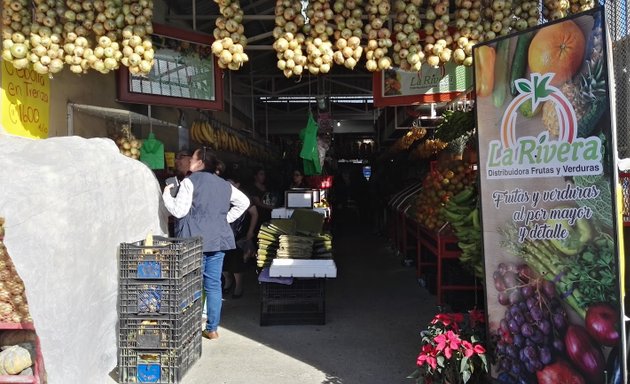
[543,155]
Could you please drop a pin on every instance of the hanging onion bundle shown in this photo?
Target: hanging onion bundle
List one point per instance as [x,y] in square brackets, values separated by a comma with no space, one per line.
[497,18]
[438,39]
[319,52]
[288,38]
[555,9]
[16,26]
[348,32]
[578,6]
[106,27]
[469,30]
[378,36]
[46,54]
[408,54]
[137,48]
[526,15]
[229,33]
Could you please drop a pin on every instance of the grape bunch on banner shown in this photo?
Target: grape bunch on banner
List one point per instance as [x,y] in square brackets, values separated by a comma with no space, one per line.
[547,164]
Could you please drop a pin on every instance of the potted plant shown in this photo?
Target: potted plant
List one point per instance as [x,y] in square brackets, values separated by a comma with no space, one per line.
[453,350]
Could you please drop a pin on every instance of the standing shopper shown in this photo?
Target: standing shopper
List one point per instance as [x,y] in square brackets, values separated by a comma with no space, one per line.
[204,206]
[261,197]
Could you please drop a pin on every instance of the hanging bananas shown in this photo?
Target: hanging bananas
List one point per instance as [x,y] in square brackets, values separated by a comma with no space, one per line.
[462,213]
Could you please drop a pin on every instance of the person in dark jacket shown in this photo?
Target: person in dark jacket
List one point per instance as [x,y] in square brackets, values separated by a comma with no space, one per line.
[204,206]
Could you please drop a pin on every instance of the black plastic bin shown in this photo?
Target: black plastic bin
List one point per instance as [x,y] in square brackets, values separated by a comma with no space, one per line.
[303,302]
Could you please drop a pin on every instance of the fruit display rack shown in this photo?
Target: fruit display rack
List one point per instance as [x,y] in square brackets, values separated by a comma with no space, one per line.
[38,368]
[439,246]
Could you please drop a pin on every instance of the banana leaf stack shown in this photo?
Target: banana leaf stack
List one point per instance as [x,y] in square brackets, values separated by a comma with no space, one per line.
[322,246]
[295,247]
[269,239]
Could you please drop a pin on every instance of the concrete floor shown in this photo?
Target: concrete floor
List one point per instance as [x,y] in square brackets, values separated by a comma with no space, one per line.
[375,311]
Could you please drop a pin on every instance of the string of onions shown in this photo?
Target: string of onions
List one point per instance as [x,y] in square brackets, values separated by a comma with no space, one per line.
[319,52]
[469,30]
[378,36]
[229,32]
[16,22]
[438,39]
[46,53]
[578,6]
[137,48]
[348,32]
[288,38]
[497,19]
[408,54]
[555,9]
[526,15]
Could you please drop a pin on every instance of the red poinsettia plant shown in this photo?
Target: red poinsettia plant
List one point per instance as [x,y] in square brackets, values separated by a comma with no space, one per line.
[452,350]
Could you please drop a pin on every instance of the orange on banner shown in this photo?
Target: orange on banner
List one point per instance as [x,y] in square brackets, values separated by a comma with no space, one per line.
[25,102]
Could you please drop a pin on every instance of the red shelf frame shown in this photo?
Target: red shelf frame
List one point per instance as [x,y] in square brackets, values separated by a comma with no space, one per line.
[38,368]
[442,247]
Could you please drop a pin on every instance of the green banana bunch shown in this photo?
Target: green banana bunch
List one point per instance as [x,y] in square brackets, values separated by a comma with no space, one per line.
[463,215]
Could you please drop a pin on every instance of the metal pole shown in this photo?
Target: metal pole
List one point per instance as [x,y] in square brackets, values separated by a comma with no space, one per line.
[70,117]
[230,84]
[194,14]
[266,121]
[251,87]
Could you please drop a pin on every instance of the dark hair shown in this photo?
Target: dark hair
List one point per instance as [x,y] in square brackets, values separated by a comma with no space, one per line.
[209,159]
[220,167]
[258,169]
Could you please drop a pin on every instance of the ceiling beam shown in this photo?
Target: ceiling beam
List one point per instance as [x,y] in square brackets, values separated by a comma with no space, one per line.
[259,37]
[356,88]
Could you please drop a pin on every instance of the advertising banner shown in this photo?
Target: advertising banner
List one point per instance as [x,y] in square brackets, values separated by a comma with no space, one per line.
[429,85]
[547,162]
[25,102]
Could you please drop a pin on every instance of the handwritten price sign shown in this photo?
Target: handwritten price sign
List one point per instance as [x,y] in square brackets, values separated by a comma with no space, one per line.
[25,102]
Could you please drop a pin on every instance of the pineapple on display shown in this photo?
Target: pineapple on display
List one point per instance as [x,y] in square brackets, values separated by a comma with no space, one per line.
[586,92]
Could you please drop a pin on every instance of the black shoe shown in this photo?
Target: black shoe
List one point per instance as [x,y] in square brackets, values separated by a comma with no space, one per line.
[237,295]
[229,289]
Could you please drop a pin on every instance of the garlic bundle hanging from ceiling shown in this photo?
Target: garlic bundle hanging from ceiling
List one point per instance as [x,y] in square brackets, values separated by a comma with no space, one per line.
[408,54]
[46,54]
[438,39]
[319,52]
[16,26]
[137,47]
[378,36]
[230,43]
[288,38]
[469,30]
[348,32]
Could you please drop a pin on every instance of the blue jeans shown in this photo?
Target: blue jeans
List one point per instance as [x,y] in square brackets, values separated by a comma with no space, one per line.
[212,267]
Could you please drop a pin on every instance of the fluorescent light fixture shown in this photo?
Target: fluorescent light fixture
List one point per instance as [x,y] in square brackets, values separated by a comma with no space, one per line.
[313,99]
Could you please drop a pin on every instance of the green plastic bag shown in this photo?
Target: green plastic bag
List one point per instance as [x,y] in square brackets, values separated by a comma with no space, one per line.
[309,152]
[152,152]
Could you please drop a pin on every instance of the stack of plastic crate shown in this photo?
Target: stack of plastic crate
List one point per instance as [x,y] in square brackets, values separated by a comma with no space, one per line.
[159,300]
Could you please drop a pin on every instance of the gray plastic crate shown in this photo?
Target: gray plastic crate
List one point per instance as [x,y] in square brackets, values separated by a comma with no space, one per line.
[158,366]
[140,332]
[159,297]
[167,258]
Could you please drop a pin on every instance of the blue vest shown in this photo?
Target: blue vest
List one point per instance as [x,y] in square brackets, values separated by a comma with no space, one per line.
[207,216]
